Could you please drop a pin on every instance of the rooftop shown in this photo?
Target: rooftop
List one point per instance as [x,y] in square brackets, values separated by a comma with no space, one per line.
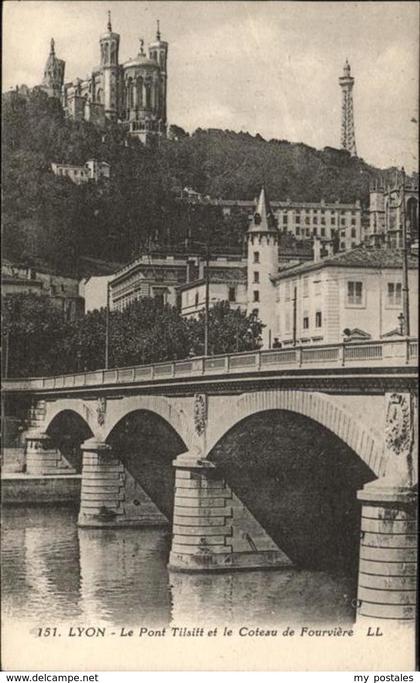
[219,276]
[360,257]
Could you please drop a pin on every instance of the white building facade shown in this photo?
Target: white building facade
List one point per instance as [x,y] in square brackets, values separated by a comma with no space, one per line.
[228,285]
[357,292]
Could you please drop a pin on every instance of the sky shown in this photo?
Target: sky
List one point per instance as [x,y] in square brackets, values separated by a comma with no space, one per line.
[264,67]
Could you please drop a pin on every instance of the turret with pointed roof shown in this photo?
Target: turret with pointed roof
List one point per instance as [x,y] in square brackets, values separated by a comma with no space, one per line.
[263,219]
[53,73]
[263,265]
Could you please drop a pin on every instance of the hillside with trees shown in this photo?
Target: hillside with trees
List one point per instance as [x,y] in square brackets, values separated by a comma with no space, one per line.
[51,218]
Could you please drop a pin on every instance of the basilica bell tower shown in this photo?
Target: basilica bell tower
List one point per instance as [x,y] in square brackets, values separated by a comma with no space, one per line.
[109,44]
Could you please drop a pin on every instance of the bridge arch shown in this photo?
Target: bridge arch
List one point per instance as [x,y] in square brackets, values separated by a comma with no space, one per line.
[147,444]
[67,430]
[115,409]
[364,441]
[74,406]
[159,405]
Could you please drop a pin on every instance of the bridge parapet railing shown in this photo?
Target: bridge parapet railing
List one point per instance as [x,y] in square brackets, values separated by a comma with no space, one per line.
[142,372]
[243,361]
[94,377]
[387,351]
[362,352]
[125,375]
[184,368]
[283,357]
[413,347]
[165,370]
[321,355]
[216,364]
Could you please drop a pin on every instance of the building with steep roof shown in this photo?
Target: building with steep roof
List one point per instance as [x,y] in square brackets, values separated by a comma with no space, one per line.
[133,93]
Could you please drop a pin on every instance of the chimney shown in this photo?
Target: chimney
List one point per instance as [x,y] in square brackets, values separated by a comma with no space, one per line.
[328,246]
[190,265]
[316,249]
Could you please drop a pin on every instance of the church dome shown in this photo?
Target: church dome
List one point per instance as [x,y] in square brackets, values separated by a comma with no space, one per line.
[141,60]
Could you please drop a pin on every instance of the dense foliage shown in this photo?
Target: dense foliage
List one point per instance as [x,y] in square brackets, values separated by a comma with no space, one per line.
[40,342]
[51,218]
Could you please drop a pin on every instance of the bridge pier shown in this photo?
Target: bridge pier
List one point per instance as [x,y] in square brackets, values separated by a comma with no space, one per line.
[388,543]
[110,497]
[41,458]
[387,566]
[212,530]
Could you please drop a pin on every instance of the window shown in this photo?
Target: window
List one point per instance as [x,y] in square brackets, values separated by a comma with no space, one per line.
[315,230]
[394,294]
[315,219]
[305,321]
[256,276]
[355,293]
[256,256]
[297,230]
[353,221]
[353,232]
[332,220]
[307,220]
[305,286]
[322,232]
[285,219]
[318,319]
[256,295]
[297,219]
[308,232]
[342,246]
[196,299]
[232,293]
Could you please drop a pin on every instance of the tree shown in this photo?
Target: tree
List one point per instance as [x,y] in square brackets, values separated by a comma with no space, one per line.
[33,330]
[229,330]
[41,342]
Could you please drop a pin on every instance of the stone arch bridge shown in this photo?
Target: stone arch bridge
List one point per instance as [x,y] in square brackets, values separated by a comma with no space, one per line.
[362,394]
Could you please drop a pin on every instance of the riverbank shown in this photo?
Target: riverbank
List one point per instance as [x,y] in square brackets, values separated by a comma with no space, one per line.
[18,488]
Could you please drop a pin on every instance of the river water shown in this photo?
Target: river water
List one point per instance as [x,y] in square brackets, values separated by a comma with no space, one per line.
[56,573]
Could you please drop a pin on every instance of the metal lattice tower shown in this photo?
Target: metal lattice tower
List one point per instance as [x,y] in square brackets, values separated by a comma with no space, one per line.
[348,138]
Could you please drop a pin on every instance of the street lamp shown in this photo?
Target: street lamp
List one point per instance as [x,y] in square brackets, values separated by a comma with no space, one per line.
[401,320]
[400,191]
[405,292]
[107,326]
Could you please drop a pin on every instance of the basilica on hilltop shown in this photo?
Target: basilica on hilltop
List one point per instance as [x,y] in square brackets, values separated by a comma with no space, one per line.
[133,94]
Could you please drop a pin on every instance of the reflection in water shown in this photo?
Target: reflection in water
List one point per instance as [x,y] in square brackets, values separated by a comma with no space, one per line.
[40,563]
[262,597]
[54,572]
[124,576]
